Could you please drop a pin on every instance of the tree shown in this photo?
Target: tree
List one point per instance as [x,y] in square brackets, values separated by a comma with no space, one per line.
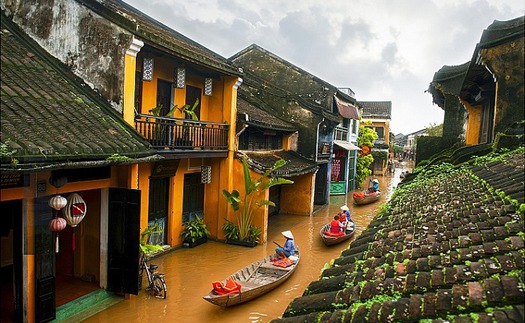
[434,130]
[366,137]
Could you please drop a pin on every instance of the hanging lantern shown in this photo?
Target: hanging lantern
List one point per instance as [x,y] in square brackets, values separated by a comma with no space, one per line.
[57,202]
[56,225]
[74,212]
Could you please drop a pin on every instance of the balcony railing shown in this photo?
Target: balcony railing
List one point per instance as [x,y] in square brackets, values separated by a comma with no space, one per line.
[341,133]
[173,133]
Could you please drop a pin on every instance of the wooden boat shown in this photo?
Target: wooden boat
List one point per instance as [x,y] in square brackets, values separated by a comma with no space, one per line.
[365,197]
[255,280]
[331,240]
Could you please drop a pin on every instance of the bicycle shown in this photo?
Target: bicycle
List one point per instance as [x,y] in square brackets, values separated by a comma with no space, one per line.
[157,285]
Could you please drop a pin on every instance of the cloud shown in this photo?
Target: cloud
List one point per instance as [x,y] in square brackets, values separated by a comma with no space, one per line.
[383,50]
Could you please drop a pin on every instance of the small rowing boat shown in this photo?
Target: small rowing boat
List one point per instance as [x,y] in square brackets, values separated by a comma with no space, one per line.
[252,281]
[366,197]
[331,239]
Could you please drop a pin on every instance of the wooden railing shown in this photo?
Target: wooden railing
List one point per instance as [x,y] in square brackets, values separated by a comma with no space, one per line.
[174,133]
[341,133]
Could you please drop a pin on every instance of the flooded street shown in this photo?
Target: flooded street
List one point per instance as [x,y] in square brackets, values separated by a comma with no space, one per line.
[190,271]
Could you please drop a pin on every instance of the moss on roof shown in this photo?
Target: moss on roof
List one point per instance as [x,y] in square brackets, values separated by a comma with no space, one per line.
[48,115]
[449,246]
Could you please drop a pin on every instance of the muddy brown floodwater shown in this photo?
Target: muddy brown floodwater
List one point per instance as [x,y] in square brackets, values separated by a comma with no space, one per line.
[190,271]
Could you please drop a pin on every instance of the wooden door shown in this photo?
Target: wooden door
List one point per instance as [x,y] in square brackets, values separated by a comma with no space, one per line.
[123,240]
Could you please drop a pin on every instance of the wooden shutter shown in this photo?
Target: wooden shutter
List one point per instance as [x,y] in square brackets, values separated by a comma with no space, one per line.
[123,240]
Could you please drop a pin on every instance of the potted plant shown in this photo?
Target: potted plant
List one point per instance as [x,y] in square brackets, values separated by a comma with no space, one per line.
[195,232]
[244,230]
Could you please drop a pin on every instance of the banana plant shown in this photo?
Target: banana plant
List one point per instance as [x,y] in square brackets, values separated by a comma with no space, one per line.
[252,189]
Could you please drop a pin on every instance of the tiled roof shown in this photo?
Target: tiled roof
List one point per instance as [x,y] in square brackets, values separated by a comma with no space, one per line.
[272,75]
[501,32]
[296,164]
[448,80]
[48,115]
[157,34]
[448,247]
[376,109]
[260,118]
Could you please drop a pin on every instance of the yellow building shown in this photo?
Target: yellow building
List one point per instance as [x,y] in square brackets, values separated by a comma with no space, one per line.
[377,115]
[164,158]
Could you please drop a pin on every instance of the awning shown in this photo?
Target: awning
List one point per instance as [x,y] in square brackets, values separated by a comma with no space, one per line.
[346,109]
[346,145]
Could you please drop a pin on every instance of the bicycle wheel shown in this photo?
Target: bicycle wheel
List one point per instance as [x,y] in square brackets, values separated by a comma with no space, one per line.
[159,287]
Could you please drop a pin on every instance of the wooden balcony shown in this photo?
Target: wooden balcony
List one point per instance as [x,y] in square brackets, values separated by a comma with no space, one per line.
[341,133]
[174,134]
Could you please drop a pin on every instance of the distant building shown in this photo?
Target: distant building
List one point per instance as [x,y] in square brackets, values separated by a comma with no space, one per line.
[379,114]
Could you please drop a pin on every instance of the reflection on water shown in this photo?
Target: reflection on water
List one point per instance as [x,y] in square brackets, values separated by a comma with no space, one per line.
[190,272]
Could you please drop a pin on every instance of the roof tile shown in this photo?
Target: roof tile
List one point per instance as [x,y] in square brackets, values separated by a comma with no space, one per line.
[49,115]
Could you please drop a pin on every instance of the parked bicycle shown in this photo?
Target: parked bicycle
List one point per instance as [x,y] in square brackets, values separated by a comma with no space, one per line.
[156,283]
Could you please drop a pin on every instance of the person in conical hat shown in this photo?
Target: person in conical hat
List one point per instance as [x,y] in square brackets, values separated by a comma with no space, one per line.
[346,212]
[289,247]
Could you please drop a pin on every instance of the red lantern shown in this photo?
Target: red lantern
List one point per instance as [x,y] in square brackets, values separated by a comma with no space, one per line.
[56,225]
[74,212]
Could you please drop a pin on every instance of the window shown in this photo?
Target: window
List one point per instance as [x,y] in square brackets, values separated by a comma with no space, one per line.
[380,132]
[257,139]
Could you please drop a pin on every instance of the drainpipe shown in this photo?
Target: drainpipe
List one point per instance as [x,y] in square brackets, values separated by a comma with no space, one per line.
[317,140]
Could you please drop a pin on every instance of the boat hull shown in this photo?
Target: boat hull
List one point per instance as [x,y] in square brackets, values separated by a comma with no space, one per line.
[255,279]
[367,199]
[331,240]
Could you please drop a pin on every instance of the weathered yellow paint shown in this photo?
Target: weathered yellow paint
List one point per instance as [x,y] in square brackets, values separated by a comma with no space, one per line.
[128,106]
[144,173]
[297,198]
[31,288]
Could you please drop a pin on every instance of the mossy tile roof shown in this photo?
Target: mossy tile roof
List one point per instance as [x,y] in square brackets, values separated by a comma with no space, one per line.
[48,115]
[376,109]
[449,246]
[159,35]
[296,164]
[260,118]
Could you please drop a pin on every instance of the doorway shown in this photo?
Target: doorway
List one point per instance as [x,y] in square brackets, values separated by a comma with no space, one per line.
[11,261]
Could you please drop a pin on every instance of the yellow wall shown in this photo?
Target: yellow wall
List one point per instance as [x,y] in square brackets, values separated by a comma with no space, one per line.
[297,198]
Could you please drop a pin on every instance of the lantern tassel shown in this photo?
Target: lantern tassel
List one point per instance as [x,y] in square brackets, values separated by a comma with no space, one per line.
[74,245]
[56,243]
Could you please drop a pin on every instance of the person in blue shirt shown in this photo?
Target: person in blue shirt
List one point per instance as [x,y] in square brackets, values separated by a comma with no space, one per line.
[375,186]
[289,246]
[346,212]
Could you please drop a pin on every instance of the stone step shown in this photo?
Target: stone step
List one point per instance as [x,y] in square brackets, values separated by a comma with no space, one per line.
[86,306]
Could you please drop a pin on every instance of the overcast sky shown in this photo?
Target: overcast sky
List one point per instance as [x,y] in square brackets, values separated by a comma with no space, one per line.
[384,50]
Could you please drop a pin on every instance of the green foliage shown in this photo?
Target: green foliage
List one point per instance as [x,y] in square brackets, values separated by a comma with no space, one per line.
[231,230]
[117,157]
[145,247]
[252,189]
[5,152]
[363,168]
[185,109]
[434,130]
[194,230]
[366,137]
[379,155]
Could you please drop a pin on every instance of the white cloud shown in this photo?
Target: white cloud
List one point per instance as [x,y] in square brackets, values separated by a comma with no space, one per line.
[384,50]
